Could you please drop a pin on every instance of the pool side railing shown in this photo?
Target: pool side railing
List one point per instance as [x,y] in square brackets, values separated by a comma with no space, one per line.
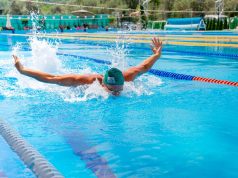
[41,167]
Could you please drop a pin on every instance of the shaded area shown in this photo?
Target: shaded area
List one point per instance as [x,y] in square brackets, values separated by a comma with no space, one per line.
[96,163]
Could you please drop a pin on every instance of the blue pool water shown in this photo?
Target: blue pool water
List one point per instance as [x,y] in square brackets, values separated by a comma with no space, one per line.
[159,127]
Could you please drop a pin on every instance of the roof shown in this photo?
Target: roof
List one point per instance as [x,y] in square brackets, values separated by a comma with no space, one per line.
[82,12]
[214,16]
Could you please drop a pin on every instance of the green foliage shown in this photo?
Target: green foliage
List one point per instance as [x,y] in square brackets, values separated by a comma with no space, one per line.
[132,4]
[225,24]
[208,23]
[143,17]
[216,25]
[112,21]
[16,8]
[231,5]
[213,24]
[234,23]
[221,25]
[24,22]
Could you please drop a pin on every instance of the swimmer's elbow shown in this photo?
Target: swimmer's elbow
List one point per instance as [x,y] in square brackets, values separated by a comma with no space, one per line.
[145,68]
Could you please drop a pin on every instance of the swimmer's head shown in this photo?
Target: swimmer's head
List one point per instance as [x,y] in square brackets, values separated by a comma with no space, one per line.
[114,81]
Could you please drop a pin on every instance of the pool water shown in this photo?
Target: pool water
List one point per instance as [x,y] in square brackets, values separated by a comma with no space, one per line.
[159,127]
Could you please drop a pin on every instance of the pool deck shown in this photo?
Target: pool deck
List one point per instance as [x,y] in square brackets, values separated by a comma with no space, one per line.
[197,39]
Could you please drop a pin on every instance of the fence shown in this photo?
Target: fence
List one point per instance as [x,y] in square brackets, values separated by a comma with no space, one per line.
[54,21]
[18,22]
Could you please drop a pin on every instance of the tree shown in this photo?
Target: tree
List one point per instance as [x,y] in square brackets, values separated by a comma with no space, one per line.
[231,5]
[167,5]
[181,5]
[143,17]
[225,24]
[221,26]
[154,5]
[4,5]
[16,8]
[213,24]
[57,10]
[31,7]
[208,24]
[132,3]
[198,5]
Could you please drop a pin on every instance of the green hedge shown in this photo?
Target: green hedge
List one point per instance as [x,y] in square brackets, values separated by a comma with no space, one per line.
[216,24]
[233,23]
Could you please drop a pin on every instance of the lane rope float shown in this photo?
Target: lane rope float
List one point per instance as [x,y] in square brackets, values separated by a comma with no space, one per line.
[41,167]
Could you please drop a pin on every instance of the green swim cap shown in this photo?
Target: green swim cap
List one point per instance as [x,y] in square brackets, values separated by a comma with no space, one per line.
[113,77]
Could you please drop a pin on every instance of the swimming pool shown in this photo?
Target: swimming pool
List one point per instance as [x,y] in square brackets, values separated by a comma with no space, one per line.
[159,127]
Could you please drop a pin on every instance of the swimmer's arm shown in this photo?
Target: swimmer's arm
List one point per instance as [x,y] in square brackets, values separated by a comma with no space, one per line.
[146,65]
[64,80]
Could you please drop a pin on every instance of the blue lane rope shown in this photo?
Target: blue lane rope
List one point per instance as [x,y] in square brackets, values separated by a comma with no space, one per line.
[171,75]
[86,58]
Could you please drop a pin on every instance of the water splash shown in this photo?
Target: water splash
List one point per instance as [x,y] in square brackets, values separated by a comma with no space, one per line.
[142,86]
[84,93]
[119,59]
[43,56]
[119,52]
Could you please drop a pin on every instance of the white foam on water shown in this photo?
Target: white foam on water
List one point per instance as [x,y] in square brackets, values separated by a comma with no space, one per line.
[84,93]
[141,86]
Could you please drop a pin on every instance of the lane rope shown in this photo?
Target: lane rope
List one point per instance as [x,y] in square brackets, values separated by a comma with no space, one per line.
[164,73]
[41,167]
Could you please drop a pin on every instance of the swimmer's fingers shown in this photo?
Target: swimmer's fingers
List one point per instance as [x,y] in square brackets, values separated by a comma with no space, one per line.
[16,59]
[153,48]
[17,64]
[156,46]
[160,43]
[156,41]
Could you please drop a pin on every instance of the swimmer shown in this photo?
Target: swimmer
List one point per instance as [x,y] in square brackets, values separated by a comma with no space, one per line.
[112,81]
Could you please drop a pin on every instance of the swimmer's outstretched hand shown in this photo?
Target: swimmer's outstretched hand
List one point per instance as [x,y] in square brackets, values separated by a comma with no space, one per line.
[18,64]
[156,46]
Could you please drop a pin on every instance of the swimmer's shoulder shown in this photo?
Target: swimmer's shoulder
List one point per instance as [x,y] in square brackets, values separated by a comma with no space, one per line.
[98,77]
